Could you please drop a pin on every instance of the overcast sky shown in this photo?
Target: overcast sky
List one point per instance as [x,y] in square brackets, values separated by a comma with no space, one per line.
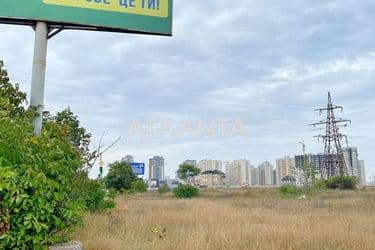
[265,65]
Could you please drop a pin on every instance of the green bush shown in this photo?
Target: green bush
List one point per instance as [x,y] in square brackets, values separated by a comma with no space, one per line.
[319,185]
[112,193]
[92,194]
[36,174]
[120,176]
[186,191]
[163,189]
[139,186]
[41,196]
[342,182]
[288,190]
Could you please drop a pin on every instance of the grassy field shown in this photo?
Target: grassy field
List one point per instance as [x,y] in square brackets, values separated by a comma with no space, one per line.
[236,219]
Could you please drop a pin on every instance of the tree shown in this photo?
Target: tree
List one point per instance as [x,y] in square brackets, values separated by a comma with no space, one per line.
[78,135]
[186,170]
[139,186]
[186,191]
[40,196]
[89,192]
[95,196]
[120,176]
[36,175]
[11,98]
[342,182]
[309,173]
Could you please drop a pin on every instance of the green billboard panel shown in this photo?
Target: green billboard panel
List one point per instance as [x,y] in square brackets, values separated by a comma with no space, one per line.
[131,16]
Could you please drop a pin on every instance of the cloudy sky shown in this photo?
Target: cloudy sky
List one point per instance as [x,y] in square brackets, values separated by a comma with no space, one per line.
[260,66]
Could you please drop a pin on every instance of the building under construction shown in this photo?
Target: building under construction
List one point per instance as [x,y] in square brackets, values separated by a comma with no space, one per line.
[355,166]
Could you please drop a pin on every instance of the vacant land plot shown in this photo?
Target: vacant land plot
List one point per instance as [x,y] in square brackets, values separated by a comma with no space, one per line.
[236,219]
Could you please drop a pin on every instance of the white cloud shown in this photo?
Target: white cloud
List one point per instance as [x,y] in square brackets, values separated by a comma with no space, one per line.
[269,62]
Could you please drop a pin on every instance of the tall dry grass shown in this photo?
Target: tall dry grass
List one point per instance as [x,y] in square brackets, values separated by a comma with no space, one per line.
[236,219]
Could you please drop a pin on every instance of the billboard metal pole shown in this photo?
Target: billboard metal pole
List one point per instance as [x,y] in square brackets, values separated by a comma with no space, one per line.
[39,74]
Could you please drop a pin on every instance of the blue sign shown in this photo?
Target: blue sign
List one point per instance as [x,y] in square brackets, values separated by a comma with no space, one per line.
[138,168]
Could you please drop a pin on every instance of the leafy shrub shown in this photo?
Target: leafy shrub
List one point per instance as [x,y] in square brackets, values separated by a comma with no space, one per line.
[186,170]
[112,193]
[93,194]
[186,191]
[163,189]
[41,199]
[139,186]
[37,207]
[319,185]
[287,190]
[342,182]
[120,176]
[36,174]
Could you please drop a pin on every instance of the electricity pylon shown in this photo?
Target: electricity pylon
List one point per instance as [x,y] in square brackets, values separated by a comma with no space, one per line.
[334,162]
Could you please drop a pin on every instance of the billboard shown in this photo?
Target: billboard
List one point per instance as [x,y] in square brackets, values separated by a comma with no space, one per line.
[129,16]
[138,168]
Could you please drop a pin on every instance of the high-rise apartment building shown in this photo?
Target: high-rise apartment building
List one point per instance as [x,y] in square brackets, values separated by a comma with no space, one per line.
[351,160]
[238,173]
[128,158]
[190,162]
[355,166]
[206,165]
[265,174]
[300,160]
[274,177]
[361,173]
[317,159]
[156,168]
[255,181]
[285,167]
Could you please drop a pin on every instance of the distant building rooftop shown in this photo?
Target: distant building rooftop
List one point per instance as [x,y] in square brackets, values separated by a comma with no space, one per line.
[217,172]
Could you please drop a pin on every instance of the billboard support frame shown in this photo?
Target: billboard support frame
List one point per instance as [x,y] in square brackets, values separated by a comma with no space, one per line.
[38,77]
[49,17]
[78,27]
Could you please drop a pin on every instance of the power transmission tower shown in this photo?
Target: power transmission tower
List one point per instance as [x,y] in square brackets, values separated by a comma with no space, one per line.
[334,162]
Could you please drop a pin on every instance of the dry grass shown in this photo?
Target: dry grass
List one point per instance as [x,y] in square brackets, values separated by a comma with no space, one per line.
[236,219]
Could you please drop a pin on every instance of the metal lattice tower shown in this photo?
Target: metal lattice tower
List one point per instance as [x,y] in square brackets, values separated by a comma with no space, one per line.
[334,162]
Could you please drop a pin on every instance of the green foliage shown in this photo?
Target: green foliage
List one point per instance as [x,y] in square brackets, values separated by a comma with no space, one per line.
[43,189]
[293,190]
[342,182]
[139,186]
[78,135]
[120,176]
[92,194]
[163,189]
[186,191]
[35,178]
[186,170]
[11,98]
[290,190]
[309,172]
[319,185]
[112,193]
[337,182]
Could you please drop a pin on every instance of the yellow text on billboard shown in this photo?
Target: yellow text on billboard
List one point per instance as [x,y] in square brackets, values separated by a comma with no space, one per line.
[155,8]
